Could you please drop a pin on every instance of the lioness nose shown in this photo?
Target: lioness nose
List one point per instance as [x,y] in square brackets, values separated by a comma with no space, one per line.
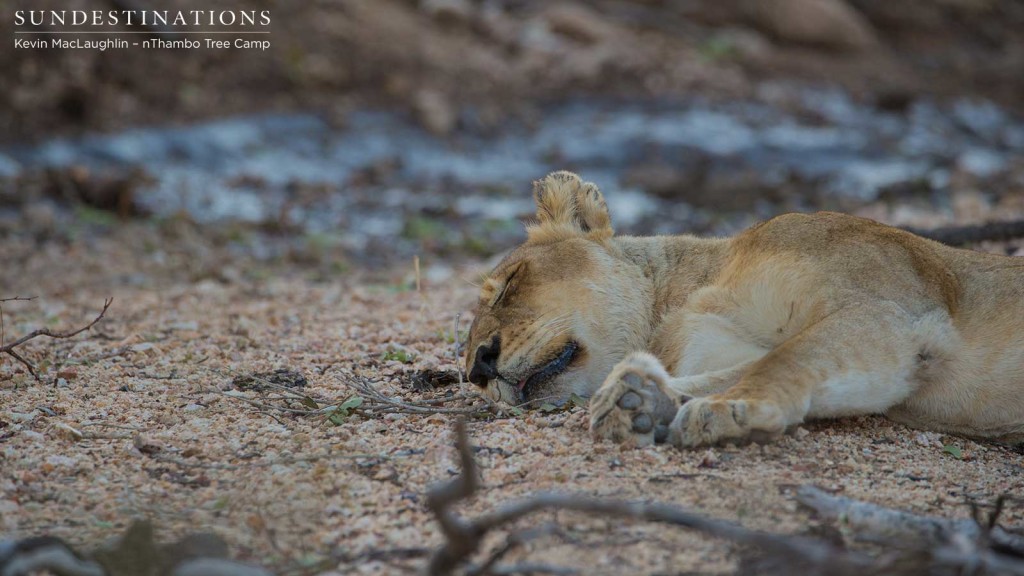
[485,364]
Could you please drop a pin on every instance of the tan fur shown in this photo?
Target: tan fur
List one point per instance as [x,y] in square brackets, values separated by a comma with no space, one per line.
[799,317]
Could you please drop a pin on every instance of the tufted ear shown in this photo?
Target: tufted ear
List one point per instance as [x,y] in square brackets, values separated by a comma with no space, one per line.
[500,283]
[567,207]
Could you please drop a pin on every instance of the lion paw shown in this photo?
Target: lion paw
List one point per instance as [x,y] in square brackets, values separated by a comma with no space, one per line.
[630,407]
[709,421]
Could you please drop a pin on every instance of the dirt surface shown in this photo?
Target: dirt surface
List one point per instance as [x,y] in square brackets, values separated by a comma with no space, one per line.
[145,416]
[467,64]
[282,245]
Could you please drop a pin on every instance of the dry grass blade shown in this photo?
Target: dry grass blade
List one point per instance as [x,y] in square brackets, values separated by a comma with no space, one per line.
[380,403]
[371,402]
[265,463]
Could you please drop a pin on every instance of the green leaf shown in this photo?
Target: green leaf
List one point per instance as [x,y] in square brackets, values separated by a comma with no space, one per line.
[344,410]
[953,451]
[516,411]
[548,407]
[310,403]
[577,400]
[352,403]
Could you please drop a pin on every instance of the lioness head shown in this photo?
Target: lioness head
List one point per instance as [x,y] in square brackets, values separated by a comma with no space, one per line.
[560,310]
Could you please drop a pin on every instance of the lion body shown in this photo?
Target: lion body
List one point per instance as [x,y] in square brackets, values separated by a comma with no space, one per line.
[699,341]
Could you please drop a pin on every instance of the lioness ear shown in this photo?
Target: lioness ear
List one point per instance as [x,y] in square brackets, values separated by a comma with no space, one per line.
[568,206]
[497,286]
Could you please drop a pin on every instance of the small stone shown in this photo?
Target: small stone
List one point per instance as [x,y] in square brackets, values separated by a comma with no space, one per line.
[67,373]
[66,431]
[190,326]
[709,459]
[22,417]
[33,435]
[143,347]
[146,445]
[8,507]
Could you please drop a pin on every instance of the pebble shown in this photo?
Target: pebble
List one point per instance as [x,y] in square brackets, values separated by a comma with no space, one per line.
[67,373]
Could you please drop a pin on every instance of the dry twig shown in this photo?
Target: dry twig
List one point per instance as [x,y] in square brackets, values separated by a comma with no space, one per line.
[9,348]
[912,544]
[463,536]
[976,545]
[377,402]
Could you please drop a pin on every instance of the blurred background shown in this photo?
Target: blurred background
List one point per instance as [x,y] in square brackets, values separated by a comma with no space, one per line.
[375,130]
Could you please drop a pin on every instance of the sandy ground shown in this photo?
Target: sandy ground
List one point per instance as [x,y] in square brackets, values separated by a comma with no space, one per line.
[167,435]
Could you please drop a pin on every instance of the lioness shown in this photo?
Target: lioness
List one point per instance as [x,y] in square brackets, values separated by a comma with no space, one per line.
[702,341]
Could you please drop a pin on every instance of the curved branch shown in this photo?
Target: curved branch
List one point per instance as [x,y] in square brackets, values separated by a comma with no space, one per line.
[9,348]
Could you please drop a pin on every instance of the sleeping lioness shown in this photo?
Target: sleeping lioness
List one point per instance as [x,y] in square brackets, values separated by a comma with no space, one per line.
[702,341]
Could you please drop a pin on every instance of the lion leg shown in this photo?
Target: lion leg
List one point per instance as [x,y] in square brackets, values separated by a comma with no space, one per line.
[639,399]
[858,360]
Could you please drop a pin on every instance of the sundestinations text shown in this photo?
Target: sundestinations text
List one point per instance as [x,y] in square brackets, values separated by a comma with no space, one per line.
[142,17]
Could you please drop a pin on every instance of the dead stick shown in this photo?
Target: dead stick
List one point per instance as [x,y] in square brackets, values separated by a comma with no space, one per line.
[463,537]
[9,348]
[885,523]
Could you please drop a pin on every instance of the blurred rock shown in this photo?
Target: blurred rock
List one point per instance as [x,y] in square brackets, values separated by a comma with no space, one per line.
[666,180]
[981,117]
[744,42]
[535,35]
[579,23]
[968,5]
[831,24]
[9,167]
[112,190]
[40,215]
[434,111]
[449,12]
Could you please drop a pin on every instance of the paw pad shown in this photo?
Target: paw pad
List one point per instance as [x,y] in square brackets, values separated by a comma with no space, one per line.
[630,401]
[642,422]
